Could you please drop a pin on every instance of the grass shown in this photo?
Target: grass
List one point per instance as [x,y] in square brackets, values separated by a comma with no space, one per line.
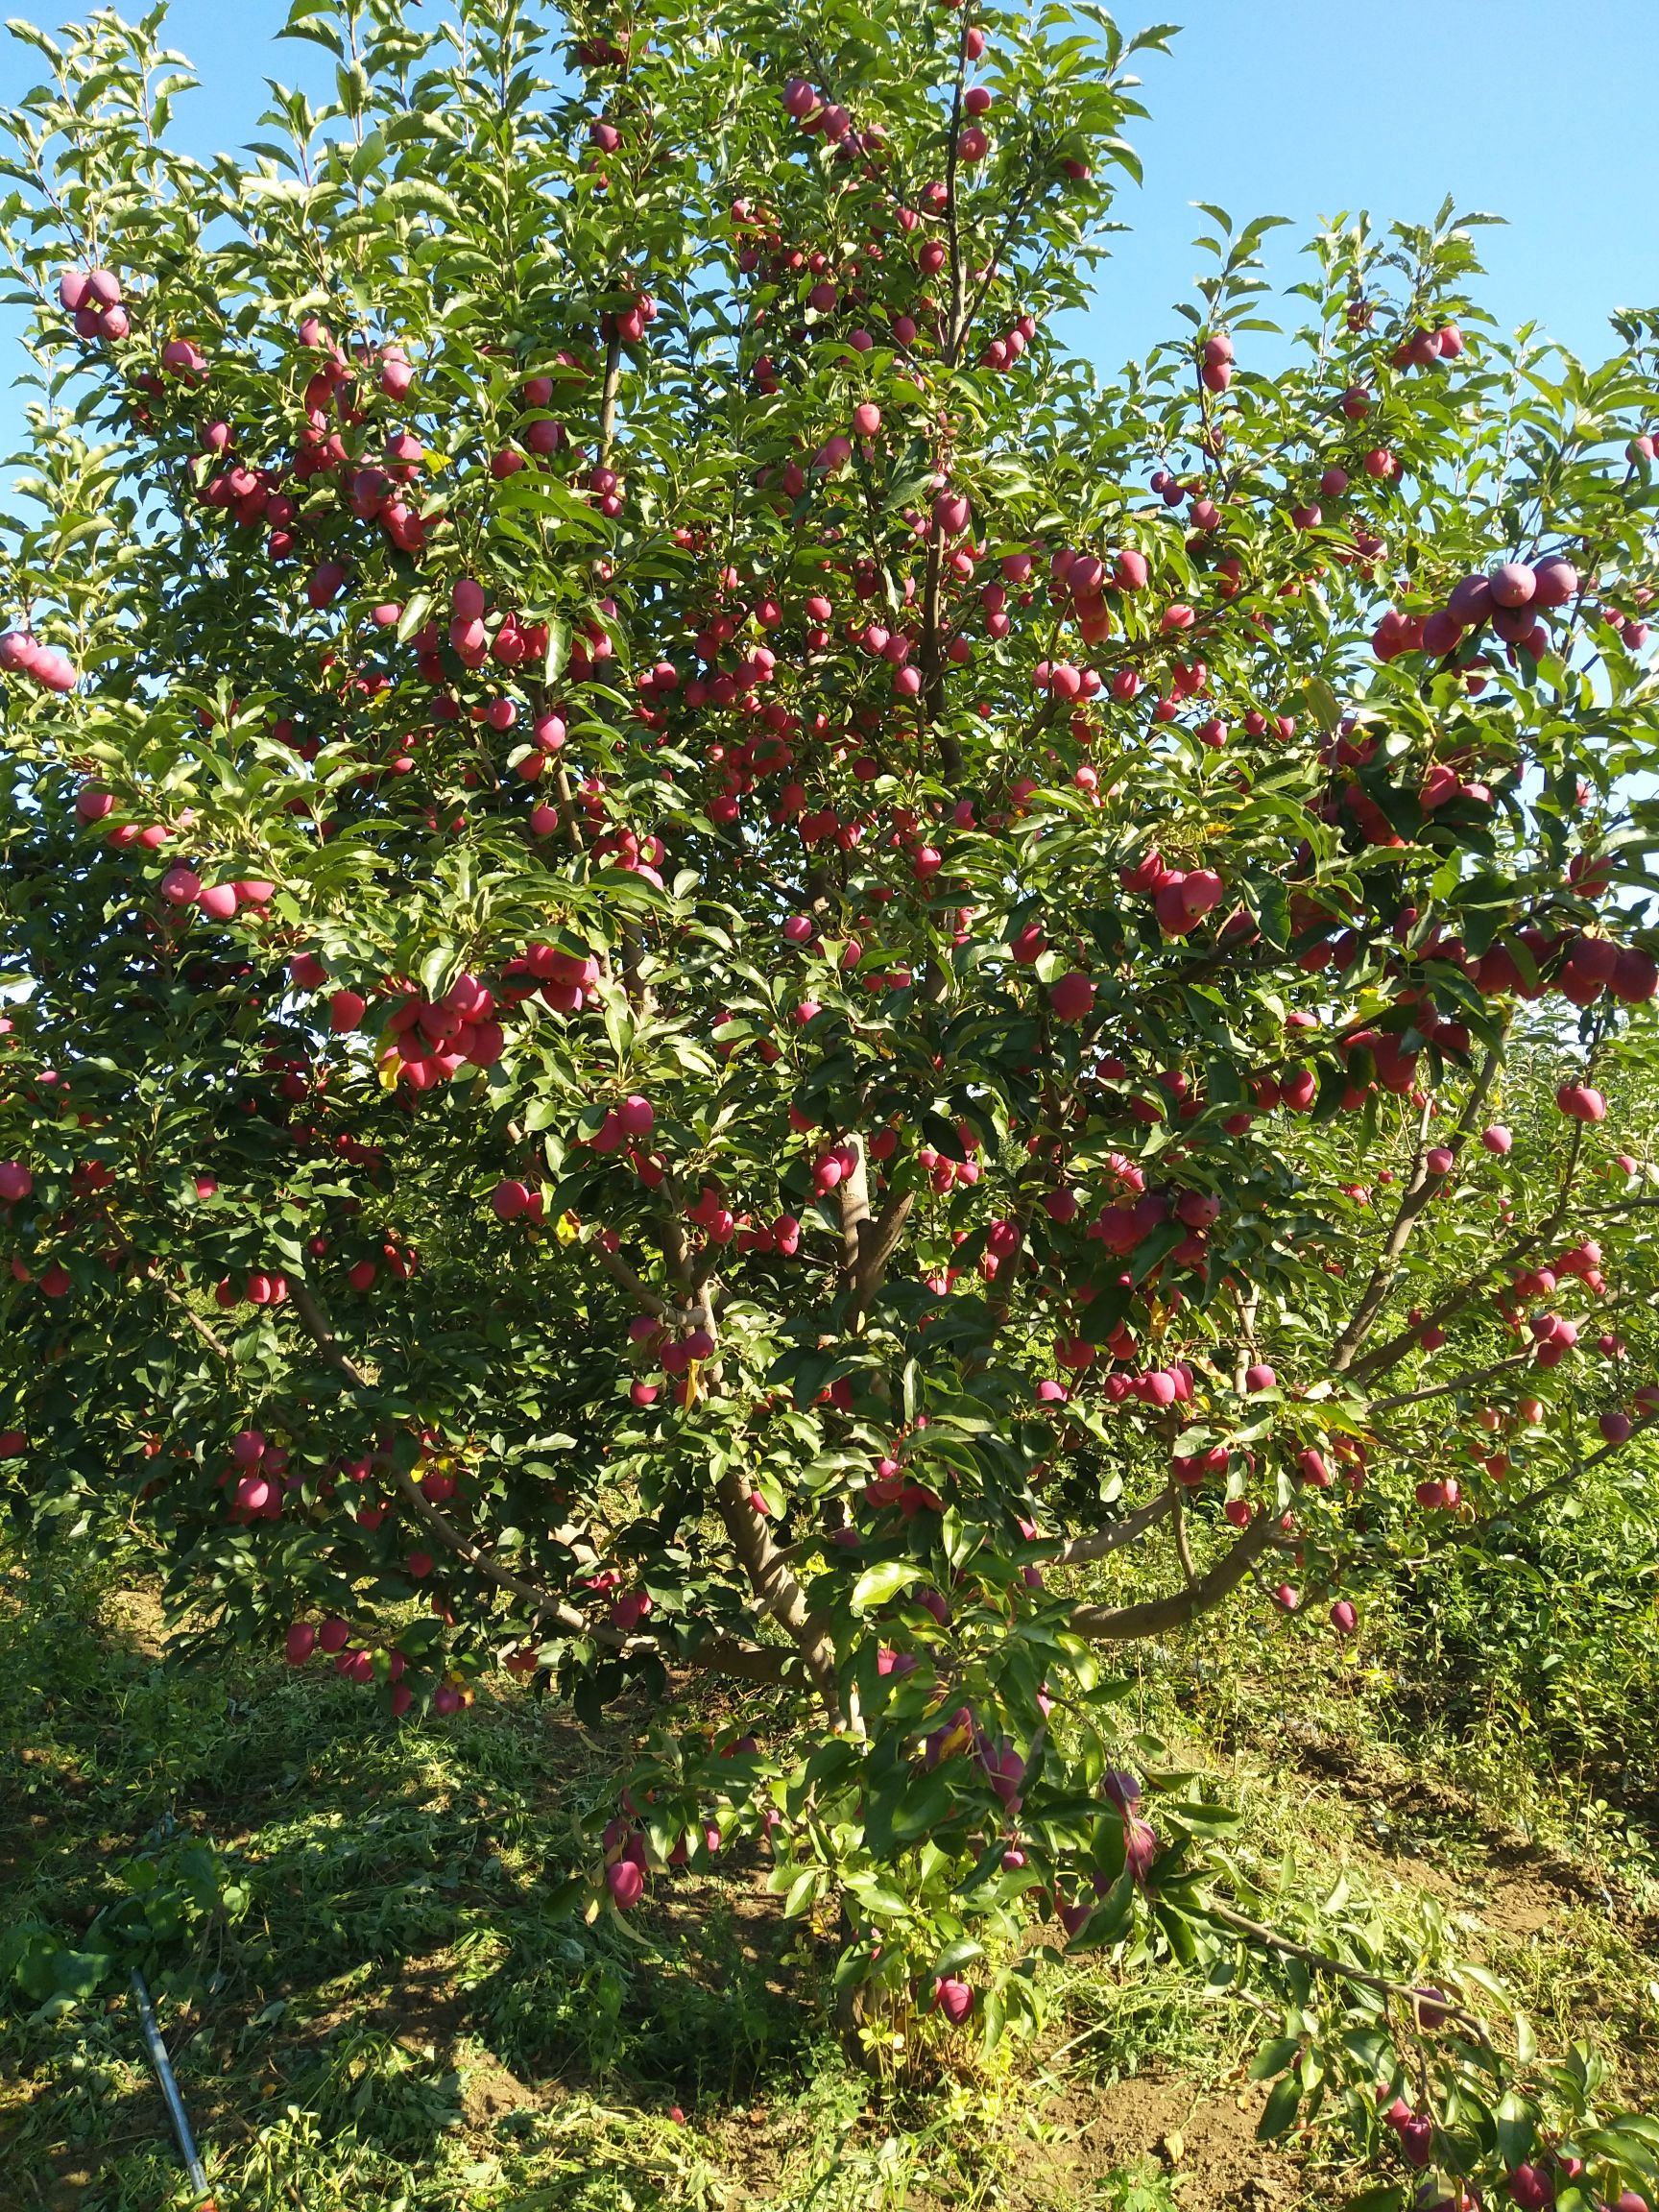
[372,2003]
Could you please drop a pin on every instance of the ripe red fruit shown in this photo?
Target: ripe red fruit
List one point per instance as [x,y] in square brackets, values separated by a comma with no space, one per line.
[15,1182]
[1175,918]
[1417,2140]
[1343,1617]
[1497,1139]
[345,1012]
[1260,1377]
[181,887]
[1532,2188]
[300,1643]
[1555,581]
[509,1200]
[1635,977]
[1512,583]
[1072,998]
[325,583]
[626,1882]
[181,358]
[954,1998]
[1580,1103]
[1470,601]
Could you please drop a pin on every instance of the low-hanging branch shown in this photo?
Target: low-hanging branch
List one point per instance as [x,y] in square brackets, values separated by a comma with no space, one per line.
[1345,1970]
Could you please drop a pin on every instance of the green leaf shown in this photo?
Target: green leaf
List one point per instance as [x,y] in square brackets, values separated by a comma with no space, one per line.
[416,609]
[878,1586]
[1283,2101]
[1274,2058]
[408,195]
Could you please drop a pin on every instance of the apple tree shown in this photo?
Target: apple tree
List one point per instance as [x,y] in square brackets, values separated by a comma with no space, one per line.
[725,985]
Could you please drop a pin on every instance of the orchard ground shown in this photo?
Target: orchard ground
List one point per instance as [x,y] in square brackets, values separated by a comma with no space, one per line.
[384,2011]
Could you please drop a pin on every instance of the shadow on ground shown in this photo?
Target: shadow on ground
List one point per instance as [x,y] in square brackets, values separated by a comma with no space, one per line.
[379,1966]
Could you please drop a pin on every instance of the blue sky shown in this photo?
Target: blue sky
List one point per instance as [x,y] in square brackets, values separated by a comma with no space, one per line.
[1539,113]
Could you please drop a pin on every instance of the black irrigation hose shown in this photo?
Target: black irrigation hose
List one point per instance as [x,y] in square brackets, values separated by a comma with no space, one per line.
[169,2086]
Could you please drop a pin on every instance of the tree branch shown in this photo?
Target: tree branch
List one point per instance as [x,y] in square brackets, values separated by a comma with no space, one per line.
[1342,1970]
[954,335]
[1546,1491]
[619,1271]
[1178,1528]
[1390,1353]
[1465,1382]
[183,1305]
[1156,1616]
[774,1586]
[749,1662]
[1421,1189]
[1129,1530]
[853,1193]
[933,660]
[607,394]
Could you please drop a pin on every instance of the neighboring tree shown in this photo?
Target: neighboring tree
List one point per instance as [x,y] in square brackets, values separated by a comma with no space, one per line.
[717,973]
